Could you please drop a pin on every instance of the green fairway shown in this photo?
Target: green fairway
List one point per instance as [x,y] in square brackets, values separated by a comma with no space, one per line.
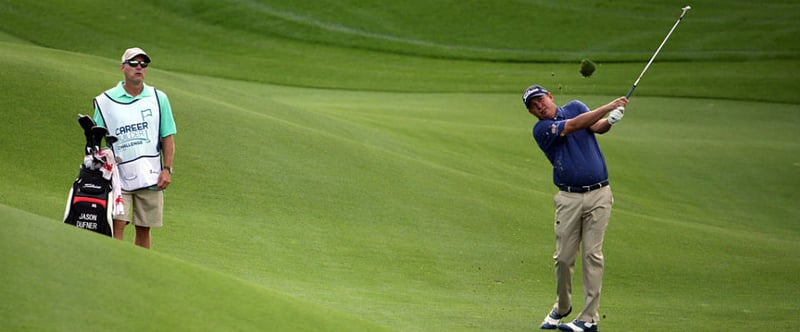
[366,166]
[60,278]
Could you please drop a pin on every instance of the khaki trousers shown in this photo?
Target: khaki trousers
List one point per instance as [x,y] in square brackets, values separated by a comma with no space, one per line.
[581,220]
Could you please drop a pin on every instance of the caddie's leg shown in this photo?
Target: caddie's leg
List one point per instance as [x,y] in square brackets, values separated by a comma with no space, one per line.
[119,229]
[594,230]
[122,220]
[142,237]
[568,236]
[148,213]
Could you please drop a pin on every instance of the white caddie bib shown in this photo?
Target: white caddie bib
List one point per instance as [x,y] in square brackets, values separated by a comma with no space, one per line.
[136,126]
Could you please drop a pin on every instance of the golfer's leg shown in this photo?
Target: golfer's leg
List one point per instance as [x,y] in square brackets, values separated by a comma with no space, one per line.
[567,228]
[594,229]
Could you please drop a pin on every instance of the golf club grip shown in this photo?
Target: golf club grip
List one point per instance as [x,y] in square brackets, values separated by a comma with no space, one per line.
[630,92]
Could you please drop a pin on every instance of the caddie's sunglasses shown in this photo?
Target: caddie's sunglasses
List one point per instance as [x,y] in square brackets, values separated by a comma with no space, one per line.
[134,63]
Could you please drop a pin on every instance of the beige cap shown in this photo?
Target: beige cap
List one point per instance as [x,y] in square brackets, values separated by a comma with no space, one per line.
[132,53]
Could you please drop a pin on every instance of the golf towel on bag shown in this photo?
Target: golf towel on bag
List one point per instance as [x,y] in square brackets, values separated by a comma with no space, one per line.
[90,202]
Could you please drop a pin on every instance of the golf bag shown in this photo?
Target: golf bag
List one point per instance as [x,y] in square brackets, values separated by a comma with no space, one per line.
[95,198]
[90,202]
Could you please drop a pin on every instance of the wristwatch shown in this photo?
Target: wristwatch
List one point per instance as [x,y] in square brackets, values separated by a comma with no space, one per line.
[168,168]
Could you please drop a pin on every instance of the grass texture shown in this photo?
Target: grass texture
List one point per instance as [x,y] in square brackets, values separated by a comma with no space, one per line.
[366,166]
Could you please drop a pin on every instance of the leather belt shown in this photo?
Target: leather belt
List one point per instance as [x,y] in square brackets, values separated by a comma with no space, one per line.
[583,189]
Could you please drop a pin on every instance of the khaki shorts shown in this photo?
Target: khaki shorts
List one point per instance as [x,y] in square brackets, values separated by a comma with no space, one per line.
[143,207]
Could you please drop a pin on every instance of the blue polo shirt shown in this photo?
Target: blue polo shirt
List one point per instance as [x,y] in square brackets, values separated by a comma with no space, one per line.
[576,158]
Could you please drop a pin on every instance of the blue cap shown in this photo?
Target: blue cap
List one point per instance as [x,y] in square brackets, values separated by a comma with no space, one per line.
[531,92]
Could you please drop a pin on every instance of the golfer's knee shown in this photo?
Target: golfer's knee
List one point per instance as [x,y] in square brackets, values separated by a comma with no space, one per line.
[593,258]
[564,260]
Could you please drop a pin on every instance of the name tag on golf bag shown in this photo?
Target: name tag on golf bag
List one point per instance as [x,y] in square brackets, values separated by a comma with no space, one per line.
[90,203]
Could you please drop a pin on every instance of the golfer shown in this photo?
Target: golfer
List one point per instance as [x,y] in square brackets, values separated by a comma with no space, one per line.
[566,135]
[140,116]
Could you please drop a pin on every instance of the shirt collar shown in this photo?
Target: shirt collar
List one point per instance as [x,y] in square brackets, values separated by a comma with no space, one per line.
[559,114]
[119,91]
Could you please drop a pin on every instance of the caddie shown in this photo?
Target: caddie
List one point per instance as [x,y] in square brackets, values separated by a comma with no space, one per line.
[140,116]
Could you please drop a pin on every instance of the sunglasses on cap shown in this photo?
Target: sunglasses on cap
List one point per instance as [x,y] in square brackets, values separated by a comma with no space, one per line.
[134,63]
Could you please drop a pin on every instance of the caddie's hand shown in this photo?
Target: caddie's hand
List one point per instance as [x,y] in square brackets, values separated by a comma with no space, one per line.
[164,179]
[616,115]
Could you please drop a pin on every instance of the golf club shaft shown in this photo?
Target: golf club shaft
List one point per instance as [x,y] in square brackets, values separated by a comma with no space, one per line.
[630,92]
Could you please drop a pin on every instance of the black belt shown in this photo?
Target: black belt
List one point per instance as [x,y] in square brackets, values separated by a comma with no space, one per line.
[583,189]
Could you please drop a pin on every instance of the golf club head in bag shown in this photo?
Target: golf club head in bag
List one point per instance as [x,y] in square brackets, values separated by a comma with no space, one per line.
[94,140]
[87,123]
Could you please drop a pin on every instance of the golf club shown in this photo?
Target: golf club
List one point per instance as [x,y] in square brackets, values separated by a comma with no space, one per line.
[685,9]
